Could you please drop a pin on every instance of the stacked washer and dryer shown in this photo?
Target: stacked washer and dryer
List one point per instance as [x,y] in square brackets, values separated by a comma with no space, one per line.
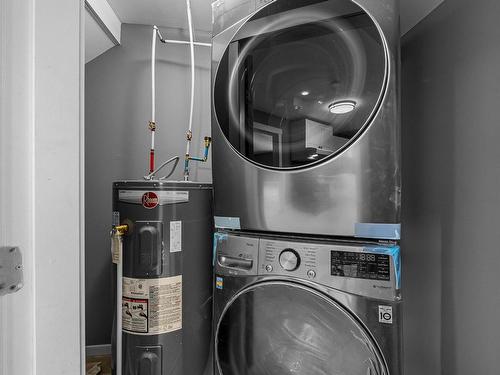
[305,126]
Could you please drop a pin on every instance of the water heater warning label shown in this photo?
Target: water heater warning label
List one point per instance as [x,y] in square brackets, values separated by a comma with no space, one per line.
[175,236]
[152,306]
[135,315]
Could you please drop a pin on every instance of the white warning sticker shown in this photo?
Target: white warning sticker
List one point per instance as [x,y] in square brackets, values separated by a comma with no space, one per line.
[116,249]
[385,314]
[152,306]
[175,236]
[135,315]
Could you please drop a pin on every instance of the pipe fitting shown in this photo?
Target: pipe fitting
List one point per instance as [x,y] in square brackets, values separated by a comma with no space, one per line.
[120,230]
[207,140]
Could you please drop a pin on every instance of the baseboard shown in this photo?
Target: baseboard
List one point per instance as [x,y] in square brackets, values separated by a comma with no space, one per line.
[95,350]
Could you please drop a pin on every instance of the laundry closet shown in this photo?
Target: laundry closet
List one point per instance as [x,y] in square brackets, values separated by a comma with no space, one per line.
[261,163]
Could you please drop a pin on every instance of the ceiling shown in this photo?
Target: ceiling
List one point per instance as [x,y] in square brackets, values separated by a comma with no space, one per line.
[413,11]
[172,13]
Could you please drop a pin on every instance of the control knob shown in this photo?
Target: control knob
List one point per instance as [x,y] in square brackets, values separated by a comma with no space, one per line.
[289,260]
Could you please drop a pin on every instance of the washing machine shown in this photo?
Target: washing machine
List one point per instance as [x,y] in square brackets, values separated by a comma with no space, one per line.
[300,306]
[305,116]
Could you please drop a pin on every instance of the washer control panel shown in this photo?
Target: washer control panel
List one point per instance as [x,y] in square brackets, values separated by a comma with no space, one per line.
[364,270]
[289,260]
[361,265]
[367,270]
[236,255]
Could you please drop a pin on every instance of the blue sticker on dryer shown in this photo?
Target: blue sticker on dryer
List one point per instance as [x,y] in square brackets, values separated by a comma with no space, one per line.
[377,231]
[223,222]
[219,282]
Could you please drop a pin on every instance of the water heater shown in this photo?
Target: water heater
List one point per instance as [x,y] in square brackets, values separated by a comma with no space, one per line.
[166,266]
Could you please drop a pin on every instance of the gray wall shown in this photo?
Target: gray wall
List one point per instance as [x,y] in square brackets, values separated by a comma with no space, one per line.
[451,161]
[117,111]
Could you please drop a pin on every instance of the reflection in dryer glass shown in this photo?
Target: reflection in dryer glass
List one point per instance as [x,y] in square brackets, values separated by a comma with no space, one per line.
[279,328]
[299,80]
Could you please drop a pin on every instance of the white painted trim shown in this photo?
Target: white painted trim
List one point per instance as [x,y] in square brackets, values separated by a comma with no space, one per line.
[82,190]
[96,350]
[41,166]
[56,184]
[106,17]
[3,120]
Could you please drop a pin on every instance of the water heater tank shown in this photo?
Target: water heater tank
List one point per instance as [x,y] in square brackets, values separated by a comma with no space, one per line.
[167,276]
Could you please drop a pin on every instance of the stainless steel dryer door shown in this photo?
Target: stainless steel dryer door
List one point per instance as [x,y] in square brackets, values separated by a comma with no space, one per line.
[300,81]
[278,328]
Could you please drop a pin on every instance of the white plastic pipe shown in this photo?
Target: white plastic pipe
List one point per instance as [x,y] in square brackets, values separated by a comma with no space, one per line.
[191,48]
[153,74]
[201,44]
[119,298]
[153,98]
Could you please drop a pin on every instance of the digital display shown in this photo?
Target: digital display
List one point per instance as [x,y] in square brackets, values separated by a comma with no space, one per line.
[360,265]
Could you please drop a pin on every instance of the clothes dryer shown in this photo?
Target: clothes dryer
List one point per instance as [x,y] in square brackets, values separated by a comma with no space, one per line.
[305,116]
[294,306]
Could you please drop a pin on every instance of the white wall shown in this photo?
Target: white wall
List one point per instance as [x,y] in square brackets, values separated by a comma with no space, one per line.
[41,184]
[16,170]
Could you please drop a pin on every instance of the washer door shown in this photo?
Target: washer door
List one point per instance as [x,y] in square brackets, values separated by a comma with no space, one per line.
[278,328]
[300,81]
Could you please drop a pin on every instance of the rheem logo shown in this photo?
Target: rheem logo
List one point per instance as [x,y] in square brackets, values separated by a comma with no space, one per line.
[150,200]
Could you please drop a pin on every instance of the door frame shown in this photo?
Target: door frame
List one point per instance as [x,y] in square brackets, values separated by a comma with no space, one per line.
[42,326]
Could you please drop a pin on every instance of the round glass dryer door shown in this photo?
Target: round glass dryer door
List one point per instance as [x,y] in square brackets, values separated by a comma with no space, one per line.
[300,81]
[278,328]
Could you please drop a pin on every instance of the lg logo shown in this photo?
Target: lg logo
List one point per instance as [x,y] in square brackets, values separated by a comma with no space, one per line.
[385,314]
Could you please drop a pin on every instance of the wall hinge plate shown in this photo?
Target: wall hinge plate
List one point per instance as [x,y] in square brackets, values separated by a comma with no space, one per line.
[11,270]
